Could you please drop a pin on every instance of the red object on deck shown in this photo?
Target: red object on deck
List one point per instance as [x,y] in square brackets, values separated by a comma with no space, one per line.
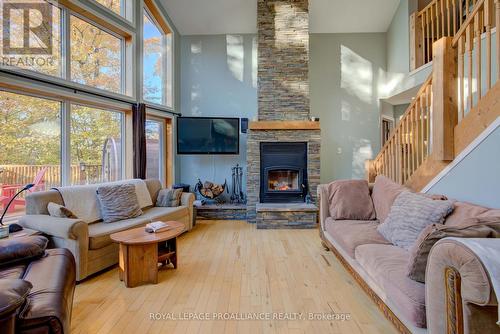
[8,191]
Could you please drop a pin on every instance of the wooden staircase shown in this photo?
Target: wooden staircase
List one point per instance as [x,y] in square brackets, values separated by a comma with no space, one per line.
[455,104]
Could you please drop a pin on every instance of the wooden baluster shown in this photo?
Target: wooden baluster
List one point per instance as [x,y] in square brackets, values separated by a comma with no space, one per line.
[427,34]
[422,129]
[428,120]
[469,47]
[454,6]
[497,22]
[417,133]
[432,28]
[391,146]
[398,154]
[448,19]
[407,148]
[402,149]
[467,9]
[443,21]
[413,141]
[478,27]
[461,83]
[460,13]
[487,26]
[437,16]
[423,38]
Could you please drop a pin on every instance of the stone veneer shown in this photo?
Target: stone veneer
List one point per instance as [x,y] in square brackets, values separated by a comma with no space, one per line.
[283,94]
[313,139]
[283,59]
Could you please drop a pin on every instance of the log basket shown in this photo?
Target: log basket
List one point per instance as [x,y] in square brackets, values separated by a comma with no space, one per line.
[211,191]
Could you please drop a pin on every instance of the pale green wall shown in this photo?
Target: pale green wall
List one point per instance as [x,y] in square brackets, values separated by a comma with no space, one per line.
[218,79]
[398,41]
[345,99]
[346,76]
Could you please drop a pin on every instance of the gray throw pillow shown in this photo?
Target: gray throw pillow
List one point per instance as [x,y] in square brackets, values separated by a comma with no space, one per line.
[410,214]
[169,197]
[118,202]
[59,211]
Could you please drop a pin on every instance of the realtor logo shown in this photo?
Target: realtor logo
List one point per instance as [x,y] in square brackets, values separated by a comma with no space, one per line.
[27,28]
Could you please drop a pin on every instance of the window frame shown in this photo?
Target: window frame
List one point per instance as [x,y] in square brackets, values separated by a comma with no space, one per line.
[150,9]
[65,126]
[125,33]
[123,50]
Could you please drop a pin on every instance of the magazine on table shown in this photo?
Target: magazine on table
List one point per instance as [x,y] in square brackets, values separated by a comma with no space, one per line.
[155,227]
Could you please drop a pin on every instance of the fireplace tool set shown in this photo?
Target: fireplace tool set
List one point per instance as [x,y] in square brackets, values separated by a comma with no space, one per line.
[237,196]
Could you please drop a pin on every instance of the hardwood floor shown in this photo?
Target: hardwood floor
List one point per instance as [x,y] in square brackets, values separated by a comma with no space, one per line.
[229,266]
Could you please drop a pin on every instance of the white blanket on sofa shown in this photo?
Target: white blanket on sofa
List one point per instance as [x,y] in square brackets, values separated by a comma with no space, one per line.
[488,251]
[82,200]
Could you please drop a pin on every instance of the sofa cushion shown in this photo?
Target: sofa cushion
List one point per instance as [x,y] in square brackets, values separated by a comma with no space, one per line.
[118,202]
[350,234]
[51,299]
[169,198]
[16,271]
[384,193]
[462,212]
[13,292]
[99,233]
[16,250]
[409,215]
[386,265]
[350,199]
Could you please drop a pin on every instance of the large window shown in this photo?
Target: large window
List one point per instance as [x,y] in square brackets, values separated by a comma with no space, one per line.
[96,145]
[157,73]
[95,56]
[92,55]
[41,52]
[113,5]
[30,146]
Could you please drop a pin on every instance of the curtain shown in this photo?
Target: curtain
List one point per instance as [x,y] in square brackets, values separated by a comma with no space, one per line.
[139,139]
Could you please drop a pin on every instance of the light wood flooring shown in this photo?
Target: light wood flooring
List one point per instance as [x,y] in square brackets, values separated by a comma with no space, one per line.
[229,266]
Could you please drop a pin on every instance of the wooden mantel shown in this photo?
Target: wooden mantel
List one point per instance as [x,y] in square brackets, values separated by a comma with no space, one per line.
[284,125]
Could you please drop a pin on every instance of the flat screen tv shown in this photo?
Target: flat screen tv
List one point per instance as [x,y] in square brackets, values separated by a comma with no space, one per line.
[208,135]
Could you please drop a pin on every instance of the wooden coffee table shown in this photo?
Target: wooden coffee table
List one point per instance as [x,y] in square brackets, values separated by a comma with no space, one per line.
[140,253]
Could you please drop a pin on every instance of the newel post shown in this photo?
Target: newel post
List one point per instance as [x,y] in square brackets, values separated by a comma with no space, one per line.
[444,99]
[416,47]
[370,172]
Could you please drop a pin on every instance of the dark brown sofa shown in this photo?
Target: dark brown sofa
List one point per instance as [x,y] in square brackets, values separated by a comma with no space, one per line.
[46,307]
[380,268]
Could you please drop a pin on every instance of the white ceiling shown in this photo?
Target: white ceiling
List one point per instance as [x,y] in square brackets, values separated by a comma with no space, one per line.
[211,17]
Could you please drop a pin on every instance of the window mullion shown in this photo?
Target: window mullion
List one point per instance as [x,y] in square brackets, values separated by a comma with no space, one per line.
[66,44]
[66,144]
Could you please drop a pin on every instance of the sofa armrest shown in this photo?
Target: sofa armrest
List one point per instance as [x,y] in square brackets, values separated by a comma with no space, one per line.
[58,227]
[323,204]
[187,200]
[455,276]
[13,294]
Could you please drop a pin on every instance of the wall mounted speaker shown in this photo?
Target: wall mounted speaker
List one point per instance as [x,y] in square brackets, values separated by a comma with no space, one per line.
[244,125]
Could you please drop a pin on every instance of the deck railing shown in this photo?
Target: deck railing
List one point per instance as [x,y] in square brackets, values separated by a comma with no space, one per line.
[23,174]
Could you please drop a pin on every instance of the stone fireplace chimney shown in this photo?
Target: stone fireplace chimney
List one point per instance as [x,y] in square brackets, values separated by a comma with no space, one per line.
[283,59]
[283,122]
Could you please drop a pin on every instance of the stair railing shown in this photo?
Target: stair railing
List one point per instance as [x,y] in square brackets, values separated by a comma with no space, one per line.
[409,143]
[440,18]
[475,76]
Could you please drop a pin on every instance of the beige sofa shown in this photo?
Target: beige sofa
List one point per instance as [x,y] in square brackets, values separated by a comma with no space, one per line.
[91,243]
[380,268]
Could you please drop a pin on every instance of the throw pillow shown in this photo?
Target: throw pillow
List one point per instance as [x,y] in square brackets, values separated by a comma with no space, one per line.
[419,253]
[13,294]
[350,199]
[169,197]
[118,202]
[409,215]
[59,211]
[22,249]
[384,194]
